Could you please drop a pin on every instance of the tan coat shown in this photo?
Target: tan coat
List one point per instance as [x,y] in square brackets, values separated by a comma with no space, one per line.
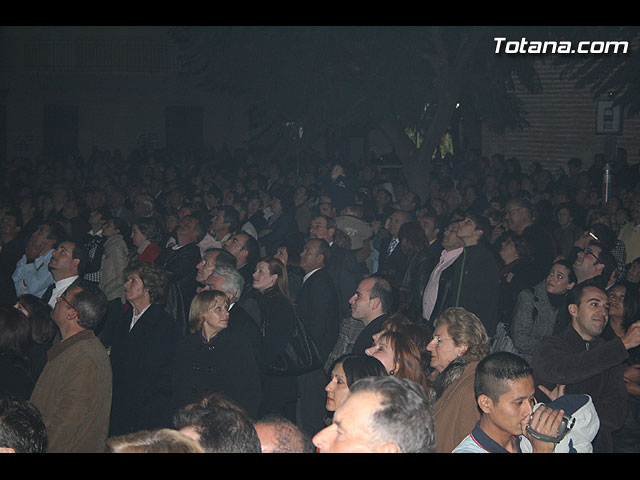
[456,411]
[73,394]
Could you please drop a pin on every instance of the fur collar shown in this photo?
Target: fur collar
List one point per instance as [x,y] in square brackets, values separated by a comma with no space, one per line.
[449,375]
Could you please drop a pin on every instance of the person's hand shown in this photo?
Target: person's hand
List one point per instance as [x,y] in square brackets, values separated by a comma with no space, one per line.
[546,421]
[632,337]
[632,374]
[553,394]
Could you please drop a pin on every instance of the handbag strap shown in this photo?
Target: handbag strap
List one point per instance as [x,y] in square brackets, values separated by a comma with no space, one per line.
[464,258]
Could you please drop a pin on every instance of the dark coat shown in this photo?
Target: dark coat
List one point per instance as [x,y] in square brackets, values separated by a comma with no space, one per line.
[346,275]
[279,321]
[392,267]
[364,339]
[475,275]
[180,263]
[317,306]
[415,280]
[595,368]
[15,377]
[141,361]
[226,365]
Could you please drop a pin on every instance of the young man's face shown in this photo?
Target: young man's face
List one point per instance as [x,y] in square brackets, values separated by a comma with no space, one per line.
[511,412]
[592,314]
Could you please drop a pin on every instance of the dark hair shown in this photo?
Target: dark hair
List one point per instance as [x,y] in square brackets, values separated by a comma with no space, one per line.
[15,334]
[357,366]
[226,430]
[497,369]
[482,223]
[323,249]
[574,296]
[43,329]
[631,304]
[382,290]
[230,216]
[150,228]
[122,226]
[416,238]
[223,257]
[569,266]
[21,426]
[606,236]
[404,416]
[153,278]
[80,253]
[90,303]
[57,232]
[253,249]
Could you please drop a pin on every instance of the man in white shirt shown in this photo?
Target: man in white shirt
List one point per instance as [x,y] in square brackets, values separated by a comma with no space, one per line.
[67,262]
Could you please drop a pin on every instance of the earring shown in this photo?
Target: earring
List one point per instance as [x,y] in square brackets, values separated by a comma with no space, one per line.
[391,372]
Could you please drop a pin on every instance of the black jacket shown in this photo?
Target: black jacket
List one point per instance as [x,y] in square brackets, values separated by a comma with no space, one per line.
[141,361]
[317,306]
[474,286]
[225,365]
[595,368]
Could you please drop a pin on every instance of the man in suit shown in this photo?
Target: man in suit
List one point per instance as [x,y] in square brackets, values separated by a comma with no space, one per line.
[371,304]
[180,262]
[317,305]
[342,264]
[392,260]
[67,264]
[247,252]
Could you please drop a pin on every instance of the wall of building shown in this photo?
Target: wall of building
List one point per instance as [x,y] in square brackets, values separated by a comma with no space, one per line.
[562,125]
[122,79]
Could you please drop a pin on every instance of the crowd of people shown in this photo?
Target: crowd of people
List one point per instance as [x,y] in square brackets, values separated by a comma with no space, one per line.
[156,302]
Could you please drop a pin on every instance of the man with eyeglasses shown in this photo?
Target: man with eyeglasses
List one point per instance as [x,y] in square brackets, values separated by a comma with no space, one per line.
[594,262]
[73,392]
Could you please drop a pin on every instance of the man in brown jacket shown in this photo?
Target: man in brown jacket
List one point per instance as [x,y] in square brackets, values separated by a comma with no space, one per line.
[73,392]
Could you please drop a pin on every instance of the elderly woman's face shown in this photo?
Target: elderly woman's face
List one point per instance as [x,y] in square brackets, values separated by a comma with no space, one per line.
[134,289]
[443,349]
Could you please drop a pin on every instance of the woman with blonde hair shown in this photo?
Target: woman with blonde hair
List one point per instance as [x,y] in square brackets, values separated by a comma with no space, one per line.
[459,342]
[212,359]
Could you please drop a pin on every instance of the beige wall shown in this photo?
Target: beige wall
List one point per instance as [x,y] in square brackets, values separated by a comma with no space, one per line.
[562,125]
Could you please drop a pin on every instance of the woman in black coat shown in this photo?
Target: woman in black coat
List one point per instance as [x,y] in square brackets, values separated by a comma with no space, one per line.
[279,393]
[212,359]
[143,346]
[15,367]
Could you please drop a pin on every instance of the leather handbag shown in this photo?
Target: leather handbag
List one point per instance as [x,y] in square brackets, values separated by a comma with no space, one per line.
[300,355]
